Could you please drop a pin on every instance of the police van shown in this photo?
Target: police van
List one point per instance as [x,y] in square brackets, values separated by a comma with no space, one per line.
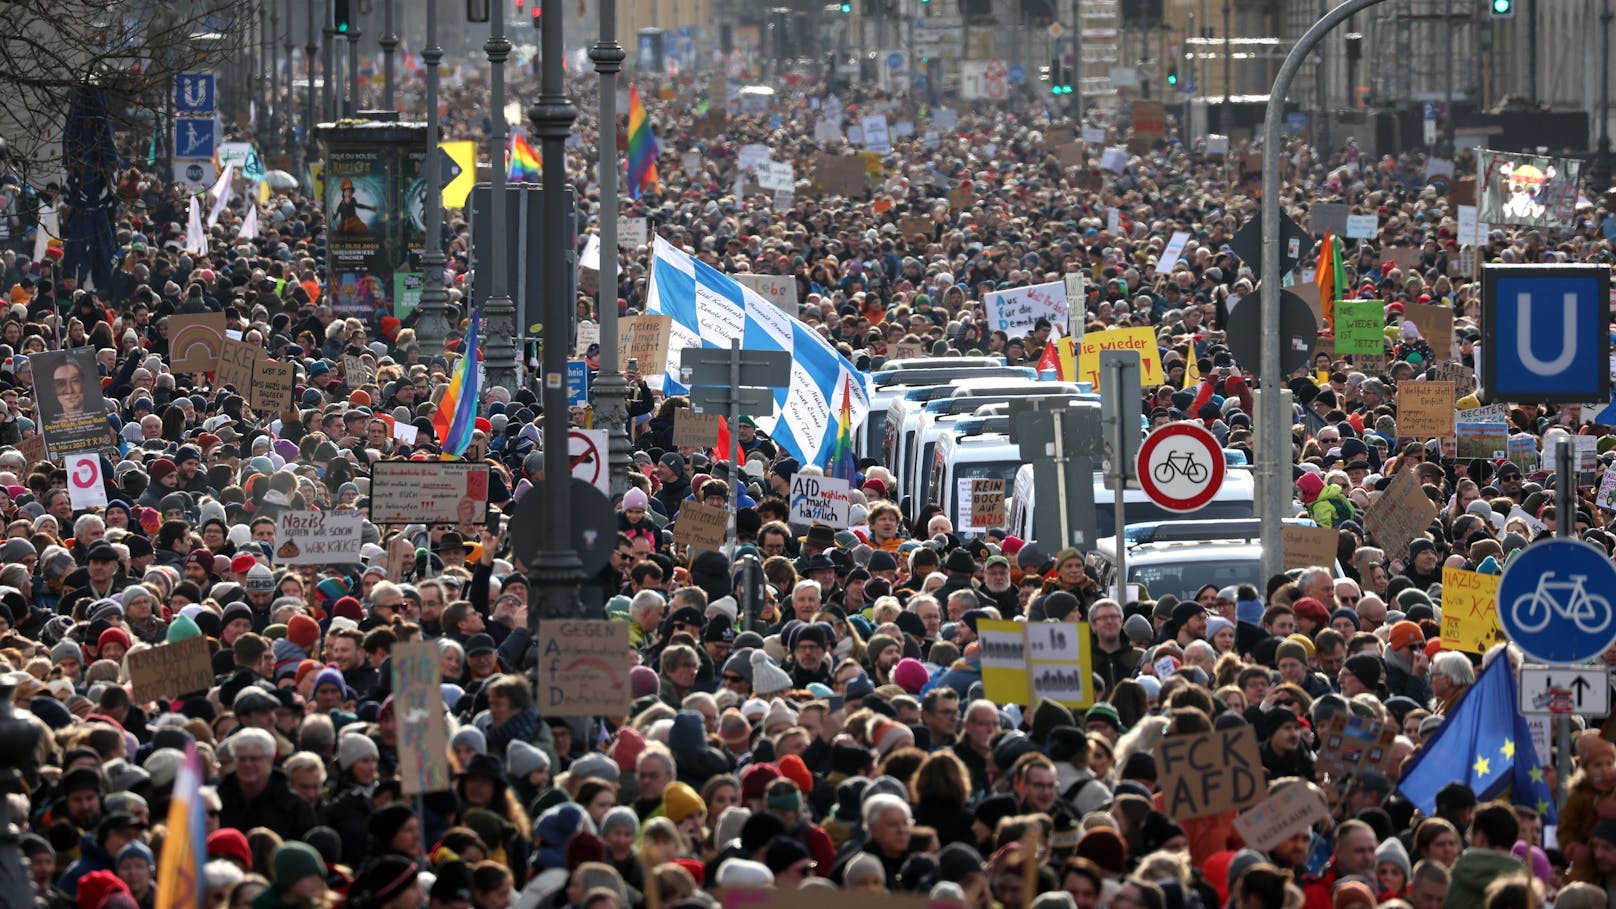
[904,413]
[977,447]
[901,377]
[913,479]
[1235,499]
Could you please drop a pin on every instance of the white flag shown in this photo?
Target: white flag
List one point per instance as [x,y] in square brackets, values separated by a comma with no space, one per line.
[249,225]
[196,238]
[590,257]
[49,229]
[221,193]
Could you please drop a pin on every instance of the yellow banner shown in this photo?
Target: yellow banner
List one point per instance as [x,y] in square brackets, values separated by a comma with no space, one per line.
[1470,611]
[1003,649]
[1142,340]
[457,190]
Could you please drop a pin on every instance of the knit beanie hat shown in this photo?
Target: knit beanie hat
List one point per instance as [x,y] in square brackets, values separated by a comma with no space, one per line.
[469,737]
[767,678]
[679,802]
[524,759]
[910,675]
[1367,667]
[294,861]
[1392,851]
[620,816]
[1290,650]
[353,748]
[304,632]
[793,769]
[889,735]
[1047,717]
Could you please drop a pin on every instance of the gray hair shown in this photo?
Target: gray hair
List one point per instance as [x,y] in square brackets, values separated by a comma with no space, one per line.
[1455,666]
[881,802]
[304,760]
[644,602]
[252,737]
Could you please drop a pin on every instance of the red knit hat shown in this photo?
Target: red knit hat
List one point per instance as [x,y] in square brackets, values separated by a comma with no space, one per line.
[793,769]
[756,778]
[230,843]
[303,631]
[113,636]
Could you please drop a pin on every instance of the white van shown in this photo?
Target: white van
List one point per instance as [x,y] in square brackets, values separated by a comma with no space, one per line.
[981,449]
[897,379]
[1235,499]
[914,471]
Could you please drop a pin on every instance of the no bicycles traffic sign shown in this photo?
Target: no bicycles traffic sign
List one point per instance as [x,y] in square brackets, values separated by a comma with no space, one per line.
[1180,466]
[1554,601]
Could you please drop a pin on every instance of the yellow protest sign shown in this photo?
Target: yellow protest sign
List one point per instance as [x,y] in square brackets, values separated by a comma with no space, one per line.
[1141,339]
[1003,648]
[1043,661]
[456,190]
[1470,610]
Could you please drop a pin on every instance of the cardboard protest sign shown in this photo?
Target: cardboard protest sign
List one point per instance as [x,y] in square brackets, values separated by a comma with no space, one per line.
[356,373]
[819,500]
[1358,325]
[701,526]
[781,290]
[170,670]
[1529,190]
[194,341]
[33,450]
[1209,773]
[1141,339]
[1463,377]
[428,492]
[318,538]
[236,359]
[695,430]
[644,339]
[1470,610]
[1290,810]
[272,386]
[423,733]
[1328,216]
[583,667]
[1071,154]
[1017,310]
[1401,513]
[908,350]
[911,225]
[68,406]
[1348,744]
[987,502]
[1149,120]
[1306,547]
[1482,440]
[1425,410]
[840,175]
[1435,324]
[1404,257]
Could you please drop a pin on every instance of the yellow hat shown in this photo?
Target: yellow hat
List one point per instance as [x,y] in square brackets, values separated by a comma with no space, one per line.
[1305,641]
[679,801]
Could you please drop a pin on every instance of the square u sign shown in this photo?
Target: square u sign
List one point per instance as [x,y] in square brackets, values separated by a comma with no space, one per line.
[1545,333]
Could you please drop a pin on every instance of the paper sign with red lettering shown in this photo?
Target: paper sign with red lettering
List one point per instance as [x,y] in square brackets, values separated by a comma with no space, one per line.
[1142,340]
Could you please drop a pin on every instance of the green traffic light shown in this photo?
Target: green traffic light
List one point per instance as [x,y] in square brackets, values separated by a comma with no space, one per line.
[342,28]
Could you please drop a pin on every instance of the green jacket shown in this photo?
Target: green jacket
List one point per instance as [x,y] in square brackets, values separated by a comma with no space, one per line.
[1475,869]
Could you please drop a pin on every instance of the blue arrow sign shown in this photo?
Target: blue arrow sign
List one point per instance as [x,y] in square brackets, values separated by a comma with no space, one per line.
[1544,334]
[577,383]
[1017,73]
[1554,601]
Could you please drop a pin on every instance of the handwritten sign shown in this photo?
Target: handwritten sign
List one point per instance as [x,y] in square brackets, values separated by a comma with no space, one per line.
[1306,547]
[695,430]
[423,736]
[236,359]
[1425,410]
[781,290]
[1470,610]
[317,538]
[1142,339]
[583,667]
[1401,513]
[644,339]
[356,373]
[1358,328]
[428,492]
[1362,227]
[908,350]
[1292,809]
[987,502]
[1435,324]
[1349,744]
[1209,773]
[701,526]
[1017,310]
[819,500]
[194,341]
[840,175]
[272,386]
[170,670]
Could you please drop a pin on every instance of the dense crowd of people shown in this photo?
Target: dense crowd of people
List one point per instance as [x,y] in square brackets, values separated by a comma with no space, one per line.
[834,733]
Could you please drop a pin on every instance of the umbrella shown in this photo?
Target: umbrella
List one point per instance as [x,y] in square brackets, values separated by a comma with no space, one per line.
[280,179]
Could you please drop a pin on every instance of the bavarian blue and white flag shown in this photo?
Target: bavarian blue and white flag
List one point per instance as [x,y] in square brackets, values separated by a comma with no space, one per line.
[709,308]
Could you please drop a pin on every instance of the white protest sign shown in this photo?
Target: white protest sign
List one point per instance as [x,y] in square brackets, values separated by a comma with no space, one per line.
[632,232]
[405,432]
[877,137]
[751,156]
[775,176]
[1362,227]
[1217,145]
[1076,304]
[945,118]
[1472,232]
[903,129]
[781,290]
[1017,310]
[819,500]
[827,132]
[855,135]
[931,139]
[1173,252]
[318,538]
[85,485]
[1114,160]
[1094,135]
[1113,221]
[588,333]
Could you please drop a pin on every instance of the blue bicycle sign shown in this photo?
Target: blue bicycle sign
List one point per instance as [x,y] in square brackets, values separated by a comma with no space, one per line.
[1553,601]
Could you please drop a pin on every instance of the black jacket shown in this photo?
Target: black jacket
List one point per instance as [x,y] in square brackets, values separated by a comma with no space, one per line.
[277,807]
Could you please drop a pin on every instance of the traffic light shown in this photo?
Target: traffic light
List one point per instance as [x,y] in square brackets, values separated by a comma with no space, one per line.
[343,15]
[1060,78]
[847,6]
[538,18]
[1172,76]
[1502,9]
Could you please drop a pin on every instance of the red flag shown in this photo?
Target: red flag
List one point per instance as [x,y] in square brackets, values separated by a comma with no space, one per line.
[721,451]
[1049,360]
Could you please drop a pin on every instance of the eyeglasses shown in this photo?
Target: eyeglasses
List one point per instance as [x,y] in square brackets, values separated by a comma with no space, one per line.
[734,679]
[1348,599]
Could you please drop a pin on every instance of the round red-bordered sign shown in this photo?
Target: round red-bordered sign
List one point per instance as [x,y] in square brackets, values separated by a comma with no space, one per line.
[1180,466]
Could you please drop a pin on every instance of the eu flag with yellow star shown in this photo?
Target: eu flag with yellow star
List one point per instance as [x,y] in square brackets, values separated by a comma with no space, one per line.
[1486,743]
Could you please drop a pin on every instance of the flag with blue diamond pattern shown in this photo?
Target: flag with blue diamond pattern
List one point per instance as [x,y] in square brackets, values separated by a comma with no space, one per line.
[1486,743]
[709,308]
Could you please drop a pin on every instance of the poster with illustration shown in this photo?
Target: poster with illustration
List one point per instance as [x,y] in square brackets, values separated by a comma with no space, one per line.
[358,210]
[1529,190]
[71,412]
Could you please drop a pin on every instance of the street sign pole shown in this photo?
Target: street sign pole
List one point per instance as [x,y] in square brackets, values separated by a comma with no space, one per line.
[735,445]
[1060,478]
[1121,397]
[1564,528]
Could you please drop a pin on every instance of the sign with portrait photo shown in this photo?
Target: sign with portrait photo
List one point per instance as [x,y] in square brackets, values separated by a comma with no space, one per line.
[68,403]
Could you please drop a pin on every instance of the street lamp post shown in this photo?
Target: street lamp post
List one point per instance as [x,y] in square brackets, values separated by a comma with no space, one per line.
[328,96]
[433,325]
[309,50]
[556,568]
[499,311]
[354,102]
[1602,160]
[389,43]
[610,387]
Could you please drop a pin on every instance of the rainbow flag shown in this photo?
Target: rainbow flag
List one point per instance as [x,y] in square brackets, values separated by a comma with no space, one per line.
[179,874]
[642,147]
[1331,277]
[525,165]
[457,411]
[842,464]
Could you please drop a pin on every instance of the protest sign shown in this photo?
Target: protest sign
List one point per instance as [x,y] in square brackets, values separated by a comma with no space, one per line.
[194,341]
[1058,663]
[1425,410]
[751,155]
[68,405]
[583,667]
[877,137]
[1358,328]
[1209,772]
[272,386]
[644,339]
[356,373]
[1348,744]
[1401,513]
[911,225]
[428,492]
[1149,122]
[33,450]
[1172,252]
[170,670]
[1404,257]
[318,538]
[1523,451]
[1529,190]
[781,290]
[819,500]
[236,359]
[1114,160]
[1003,648]
[1328,216]
[840,175]
[701,526]
[987,502]
[1482,440]
[1017,310]
[1306,547]
[908,350]
[775,176]
[423,732]
[633,232]
[1463,377]
[1470,610]
[1362,227]
[1142,340]
[1605,497]
[86,487]
[1071,154]
[1290,810]
[695,430]
[1435,324]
